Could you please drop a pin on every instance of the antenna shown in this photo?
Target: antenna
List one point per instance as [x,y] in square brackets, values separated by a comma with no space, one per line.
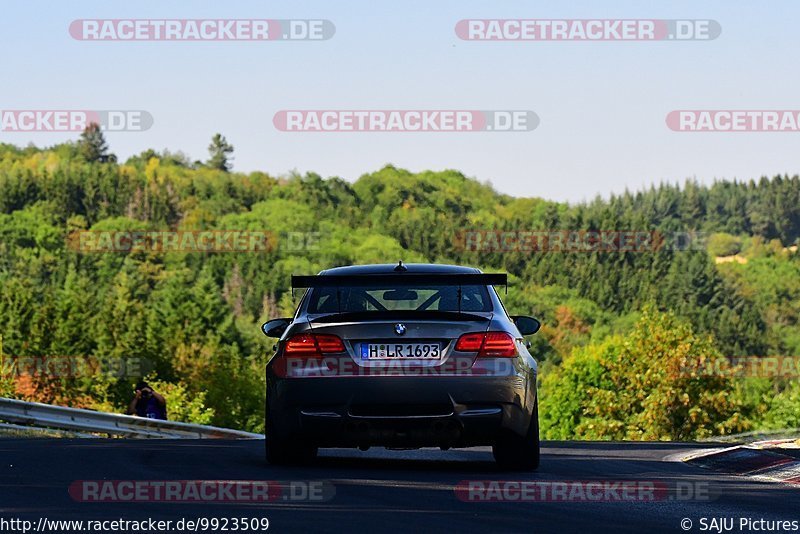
[400,267]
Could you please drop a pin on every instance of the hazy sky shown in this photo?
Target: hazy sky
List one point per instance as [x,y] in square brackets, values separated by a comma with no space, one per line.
[602,105]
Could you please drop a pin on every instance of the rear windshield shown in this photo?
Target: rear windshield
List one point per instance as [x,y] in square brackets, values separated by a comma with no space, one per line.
[388,298]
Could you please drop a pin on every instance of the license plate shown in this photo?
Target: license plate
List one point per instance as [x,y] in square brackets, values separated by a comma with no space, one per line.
[400,351]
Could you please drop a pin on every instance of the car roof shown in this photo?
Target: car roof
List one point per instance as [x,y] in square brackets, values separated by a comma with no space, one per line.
[389,268]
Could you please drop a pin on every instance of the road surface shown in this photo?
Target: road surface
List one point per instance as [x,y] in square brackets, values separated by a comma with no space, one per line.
[379,490]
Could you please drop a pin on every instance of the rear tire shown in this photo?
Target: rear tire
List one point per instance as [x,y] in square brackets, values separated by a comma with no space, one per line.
[286,452]
[279,452]
[519,453]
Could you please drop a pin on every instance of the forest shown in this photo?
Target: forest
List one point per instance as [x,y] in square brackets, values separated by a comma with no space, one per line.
[635,344]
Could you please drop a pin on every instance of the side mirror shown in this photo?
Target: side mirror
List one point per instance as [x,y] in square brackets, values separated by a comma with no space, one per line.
[526,325]
[275,327]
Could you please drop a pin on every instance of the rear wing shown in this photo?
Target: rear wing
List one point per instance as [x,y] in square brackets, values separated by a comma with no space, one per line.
[400,279]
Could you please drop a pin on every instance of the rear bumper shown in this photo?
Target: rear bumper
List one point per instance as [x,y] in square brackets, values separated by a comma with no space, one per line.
[399,411]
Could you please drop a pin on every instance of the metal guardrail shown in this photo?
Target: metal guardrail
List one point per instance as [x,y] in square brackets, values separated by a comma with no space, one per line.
[38,415]
[9,429]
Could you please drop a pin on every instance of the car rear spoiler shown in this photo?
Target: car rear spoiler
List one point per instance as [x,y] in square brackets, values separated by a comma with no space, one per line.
[400,279]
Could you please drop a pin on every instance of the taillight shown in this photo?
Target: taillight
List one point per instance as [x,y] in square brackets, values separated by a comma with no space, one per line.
[470,342]
[498,344]
[311,345]
[329,343]
[488,344]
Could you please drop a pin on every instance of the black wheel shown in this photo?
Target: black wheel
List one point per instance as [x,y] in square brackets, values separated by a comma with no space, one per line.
[519,453]
[279,452]
[286,452]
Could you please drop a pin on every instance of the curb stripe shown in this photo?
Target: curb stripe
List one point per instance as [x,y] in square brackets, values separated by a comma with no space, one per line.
[759,464]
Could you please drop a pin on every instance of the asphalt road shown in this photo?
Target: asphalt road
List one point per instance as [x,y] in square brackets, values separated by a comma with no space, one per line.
[378,490]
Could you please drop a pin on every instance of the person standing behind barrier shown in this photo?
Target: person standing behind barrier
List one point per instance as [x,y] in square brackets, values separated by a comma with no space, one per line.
[148,403]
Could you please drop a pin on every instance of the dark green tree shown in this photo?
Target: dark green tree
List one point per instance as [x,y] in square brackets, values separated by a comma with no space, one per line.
[220,151]
[93,146]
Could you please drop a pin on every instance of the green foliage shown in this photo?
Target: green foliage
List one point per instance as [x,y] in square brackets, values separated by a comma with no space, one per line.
[784,409]
[722,244]
[219,151]
[7,388]
[92,145]
[755,396]
[649,385]
[564,395]
[771,280]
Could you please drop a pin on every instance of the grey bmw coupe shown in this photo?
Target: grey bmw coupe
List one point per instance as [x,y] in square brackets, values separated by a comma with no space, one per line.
[402,356]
